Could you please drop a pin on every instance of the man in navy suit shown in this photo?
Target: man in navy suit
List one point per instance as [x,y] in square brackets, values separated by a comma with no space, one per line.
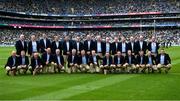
[141,45]
[56,44]
[163,61]
[150,62]
[99,46]
[36,64]
[23,63]
[72,62]
[83,62]
[130,62]
[141,62]
[132,46]
[67,47]
[108,46]
[119,60]
[33,45]
[153,46]
[78,45]
[11,64]
[94,62]
[89,44]
[115,46]
[44,43]
[107,64]
[58,61]
[47,60]
[123,46]
[21,45]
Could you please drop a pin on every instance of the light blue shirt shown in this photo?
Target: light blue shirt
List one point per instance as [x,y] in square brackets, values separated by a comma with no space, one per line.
[59,60]
[34,46]
[36,62]
[94,59]
[119,60]
[141,60]
[107,47]
[99,47]
[162,59]
[84,60]
[14,61]
[150,60]
[48,57]
[23,60]
[107,61]
[153,47]
[123,47]
[129,60]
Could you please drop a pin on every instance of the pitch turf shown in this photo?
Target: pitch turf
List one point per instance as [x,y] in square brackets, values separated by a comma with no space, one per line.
[92,86]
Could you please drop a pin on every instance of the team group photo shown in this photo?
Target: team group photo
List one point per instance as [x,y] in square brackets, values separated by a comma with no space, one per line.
[94,56]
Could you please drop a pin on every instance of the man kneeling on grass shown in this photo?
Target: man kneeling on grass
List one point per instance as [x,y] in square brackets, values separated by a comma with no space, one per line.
[59,62]
[141,62]
[107,64]
[72,62]
[11,64]
[119,61]
[47,59]
[163,61]
[93,62]
[130,62]
[23,63]
[83,62]
[150,62]
[36,64]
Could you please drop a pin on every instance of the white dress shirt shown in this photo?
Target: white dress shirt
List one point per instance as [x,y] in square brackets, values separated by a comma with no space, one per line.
[99,47]
[34,46]
[162,59]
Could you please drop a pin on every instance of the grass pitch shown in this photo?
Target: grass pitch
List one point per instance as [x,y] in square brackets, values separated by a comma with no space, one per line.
[92,86]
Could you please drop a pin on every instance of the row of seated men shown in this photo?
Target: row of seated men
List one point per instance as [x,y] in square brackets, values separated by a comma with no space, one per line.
[52,63]
[88,45]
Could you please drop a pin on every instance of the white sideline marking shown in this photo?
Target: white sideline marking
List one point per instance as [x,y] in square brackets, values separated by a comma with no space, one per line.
[75,90]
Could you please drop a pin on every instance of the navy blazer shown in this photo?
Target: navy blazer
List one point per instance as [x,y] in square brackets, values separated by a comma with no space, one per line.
[19,47]
[81,46]
[54,47]
[92,61]
[105,60]
[120,47]
[56,59]
[33,62]
[114,48]
[166,58]
[44,58]
[26,60]
[64,46]
[130,47]
[30,49]
[144,46]
[102,47]
[92,47]
[42,45]
[138,59]
[75,61]
[153,59]
[133,59]
[150,48]
[10,62]
[116,60]
[80,59]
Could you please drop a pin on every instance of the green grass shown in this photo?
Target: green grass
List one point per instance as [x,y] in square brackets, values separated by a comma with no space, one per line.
[91,86]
